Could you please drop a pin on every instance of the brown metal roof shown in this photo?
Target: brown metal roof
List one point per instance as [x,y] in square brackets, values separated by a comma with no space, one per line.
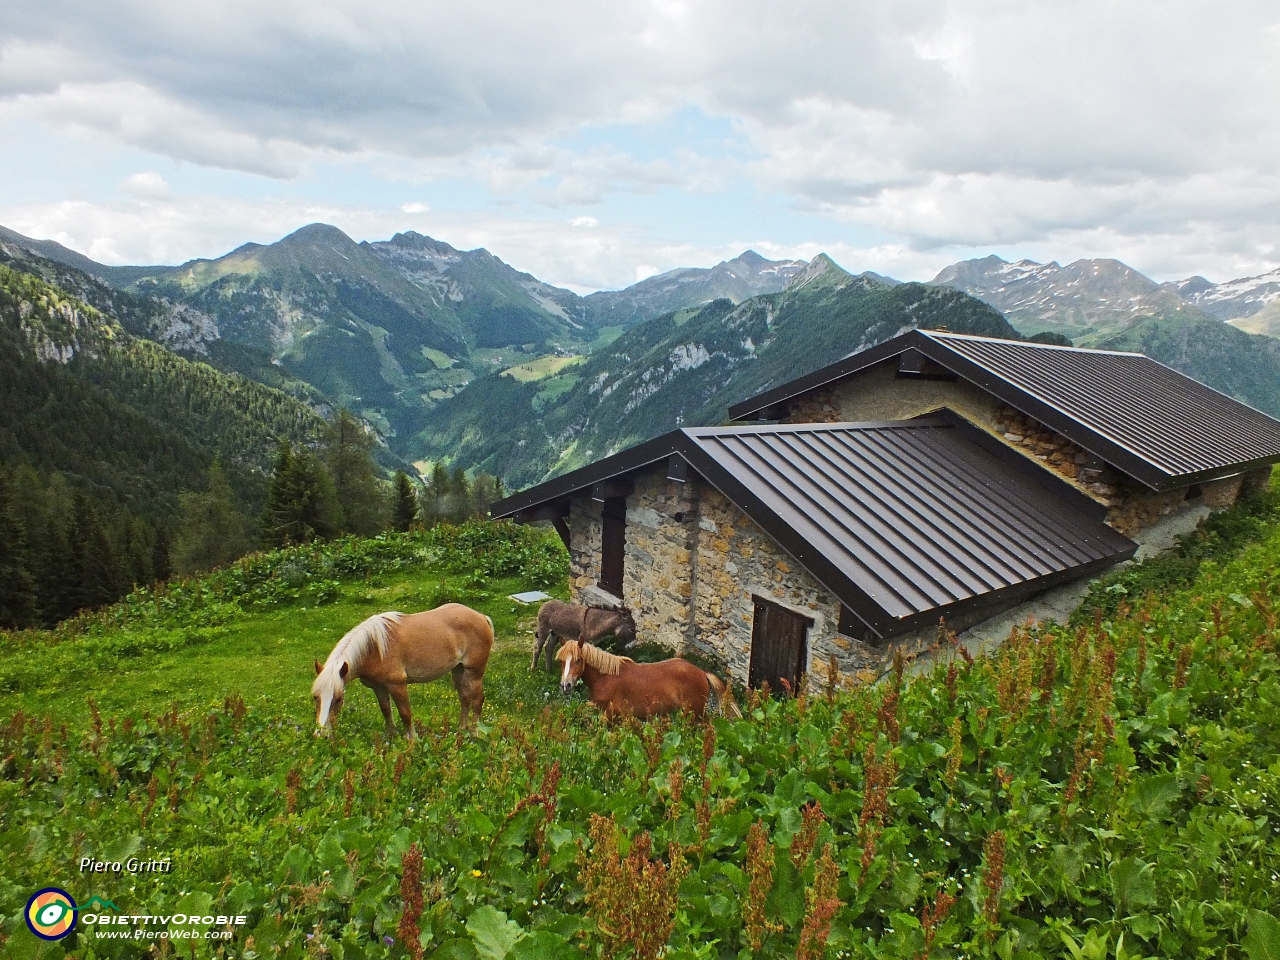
[1154,423]
[904,522]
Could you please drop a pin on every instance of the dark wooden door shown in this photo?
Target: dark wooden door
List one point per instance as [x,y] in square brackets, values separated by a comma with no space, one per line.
[613,544]
[778,638]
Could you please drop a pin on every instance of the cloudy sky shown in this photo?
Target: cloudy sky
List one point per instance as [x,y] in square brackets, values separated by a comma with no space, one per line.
[593,143]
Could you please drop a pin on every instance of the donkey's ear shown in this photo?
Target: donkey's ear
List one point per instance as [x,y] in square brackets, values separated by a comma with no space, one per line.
[319,669]
[343,672]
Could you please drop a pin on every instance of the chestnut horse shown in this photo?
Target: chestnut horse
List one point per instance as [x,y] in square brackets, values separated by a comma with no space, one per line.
[572,622]
[391,650]
[621,687]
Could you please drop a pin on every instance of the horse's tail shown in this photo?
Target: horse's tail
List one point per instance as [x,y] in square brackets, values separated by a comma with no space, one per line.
[722,698]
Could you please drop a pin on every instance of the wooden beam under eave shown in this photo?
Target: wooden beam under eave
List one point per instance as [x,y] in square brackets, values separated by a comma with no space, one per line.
[556,510]
[612,488]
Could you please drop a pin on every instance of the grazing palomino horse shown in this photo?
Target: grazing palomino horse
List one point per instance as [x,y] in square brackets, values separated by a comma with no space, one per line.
[621,687]
[391,650]
[588,624]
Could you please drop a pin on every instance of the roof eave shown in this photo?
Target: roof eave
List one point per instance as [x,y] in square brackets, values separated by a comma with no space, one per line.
[1006,597]
[633,458]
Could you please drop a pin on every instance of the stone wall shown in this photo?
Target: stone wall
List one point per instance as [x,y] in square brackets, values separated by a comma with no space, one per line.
[1219,494]
[1132,505]
[736,560]
[879,394]
[657,569]
[658,572]
[693,562]
[585,533]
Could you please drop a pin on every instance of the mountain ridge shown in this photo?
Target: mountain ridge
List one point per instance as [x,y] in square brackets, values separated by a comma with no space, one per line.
[455,355]
[1091,299]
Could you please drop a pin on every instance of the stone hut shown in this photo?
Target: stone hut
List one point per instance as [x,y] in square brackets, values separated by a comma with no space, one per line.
[900,487]
[1129,432]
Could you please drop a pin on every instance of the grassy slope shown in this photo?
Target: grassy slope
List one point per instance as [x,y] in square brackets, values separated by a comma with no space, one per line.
[1161,833]
[200,640]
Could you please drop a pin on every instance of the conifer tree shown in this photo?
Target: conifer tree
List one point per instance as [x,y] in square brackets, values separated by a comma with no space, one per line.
[348,453]
[56,582]
[160,547]
[136,549]
[436,500]
[404,509]
[460,507]
[484,491]
[301,504]
[97,579]
[211,531]
[18,605]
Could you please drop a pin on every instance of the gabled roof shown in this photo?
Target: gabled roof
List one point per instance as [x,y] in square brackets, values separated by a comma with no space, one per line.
[903,522]
[1155,424]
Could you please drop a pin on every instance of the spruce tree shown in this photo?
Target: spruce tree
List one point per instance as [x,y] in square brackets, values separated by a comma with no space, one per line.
[57,581]
[18,603]
[277,512]
[160,547]
[96,566]
[436,500]
[211,531]
[348,454]
[460,508]
[136,549]
[485,490]
[301,504]
[404,502]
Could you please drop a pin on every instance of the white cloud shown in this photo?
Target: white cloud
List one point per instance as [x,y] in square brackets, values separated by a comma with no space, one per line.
[145,185]
[927,127]
[415,207]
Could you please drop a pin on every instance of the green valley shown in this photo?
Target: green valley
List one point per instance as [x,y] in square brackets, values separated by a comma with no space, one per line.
[685,368]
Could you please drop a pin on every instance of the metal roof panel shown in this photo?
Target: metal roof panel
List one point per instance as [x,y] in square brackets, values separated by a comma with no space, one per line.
[1156,424]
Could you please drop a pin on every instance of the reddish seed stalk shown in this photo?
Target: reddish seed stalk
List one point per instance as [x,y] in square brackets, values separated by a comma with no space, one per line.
[875,805]
[821,905]
[632,899]
[1183,664]
[802,844]
[931,918]
[348,792]
[955,756]
[407,931]
[759,882]
[992,877]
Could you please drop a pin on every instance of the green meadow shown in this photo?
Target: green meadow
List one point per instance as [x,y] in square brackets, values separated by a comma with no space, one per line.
[1106,788]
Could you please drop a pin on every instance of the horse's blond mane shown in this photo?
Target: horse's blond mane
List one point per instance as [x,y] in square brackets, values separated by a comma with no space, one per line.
[354,647]
[602,660]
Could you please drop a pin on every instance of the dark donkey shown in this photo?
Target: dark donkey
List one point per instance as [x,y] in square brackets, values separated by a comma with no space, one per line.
[587,624]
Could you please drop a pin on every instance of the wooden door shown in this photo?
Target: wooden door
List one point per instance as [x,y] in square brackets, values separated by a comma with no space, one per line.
[613,545]
[778,646]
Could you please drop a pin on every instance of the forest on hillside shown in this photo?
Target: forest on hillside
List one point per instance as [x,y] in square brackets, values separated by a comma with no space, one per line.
[122,462]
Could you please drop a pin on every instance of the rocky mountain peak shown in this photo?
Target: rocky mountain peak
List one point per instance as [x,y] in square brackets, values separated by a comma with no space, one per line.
[317,233]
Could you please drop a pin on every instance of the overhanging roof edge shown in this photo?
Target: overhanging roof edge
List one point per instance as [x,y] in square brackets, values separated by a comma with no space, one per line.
[633,458]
